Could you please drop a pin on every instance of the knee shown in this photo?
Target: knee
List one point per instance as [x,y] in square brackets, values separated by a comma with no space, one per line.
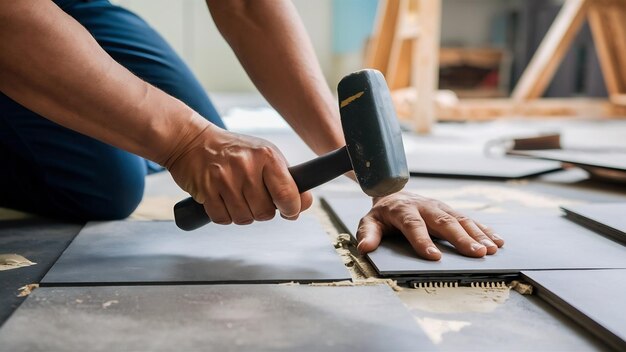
[112,192]
[121,196]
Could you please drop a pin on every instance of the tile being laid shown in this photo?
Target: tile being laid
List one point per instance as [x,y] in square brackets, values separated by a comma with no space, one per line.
[131,252]
[476,165]
[592,298]
[612,160]
[533,242]
[606,218]
[213,317]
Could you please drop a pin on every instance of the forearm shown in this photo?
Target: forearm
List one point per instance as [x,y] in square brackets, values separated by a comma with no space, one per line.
[273,47]
[54,67]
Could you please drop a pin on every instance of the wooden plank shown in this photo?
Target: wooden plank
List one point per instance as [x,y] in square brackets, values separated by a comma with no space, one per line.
[615,15]
[378,51]
[618,99]
[398,47]
[477,57]
[551,51]
[491,109]
[602,40]
[400,69]
[425,64]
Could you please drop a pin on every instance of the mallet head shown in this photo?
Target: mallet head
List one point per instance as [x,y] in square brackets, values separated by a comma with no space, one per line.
[372,133]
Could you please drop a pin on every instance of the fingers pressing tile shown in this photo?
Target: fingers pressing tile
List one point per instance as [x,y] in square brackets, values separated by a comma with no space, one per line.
[433,253]
[362,247]
[295,217]
[476,232]
[478,250]
[489,232]
[368,235]
[496,239]
[491,247]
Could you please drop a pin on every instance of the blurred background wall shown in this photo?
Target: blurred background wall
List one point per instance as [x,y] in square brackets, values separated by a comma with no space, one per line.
[339,30]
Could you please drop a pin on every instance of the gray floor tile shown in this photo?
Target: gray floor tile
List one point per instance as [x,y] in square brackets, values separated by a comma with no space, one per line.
[213,318]
[41,241]
[533,242]
[606,218]
[476,165]
[122,252]
[592,298]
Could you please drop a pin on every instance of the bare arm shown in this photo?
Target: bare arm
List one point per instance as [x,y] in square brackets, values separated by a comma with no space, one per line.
[50,64]
[271,43]
[53,66]
[273,47]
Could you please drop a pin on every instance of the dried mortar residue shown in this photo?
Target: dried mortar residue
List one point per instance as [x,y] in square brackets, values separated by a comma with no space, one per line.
[521,287]
[155,208]
[13,261]
[371,281]
[27,290]
[436,328]
[345,246]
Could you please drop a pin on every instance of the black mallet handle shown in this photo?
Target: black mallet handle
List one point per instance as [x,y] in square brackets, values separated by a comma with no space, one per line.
[190,215]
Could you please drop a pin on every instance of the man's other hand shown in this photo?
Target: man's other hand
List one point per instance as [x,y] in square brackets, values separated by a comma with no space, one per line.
[418,218]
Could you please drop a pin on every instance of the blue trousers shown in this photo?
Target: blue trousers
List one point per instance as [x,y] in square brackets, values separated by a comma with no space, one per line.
[52,171]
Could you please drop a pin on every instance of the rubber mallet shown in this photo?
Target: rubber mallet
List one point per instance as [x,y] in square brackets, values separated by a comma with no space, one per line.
[374,148]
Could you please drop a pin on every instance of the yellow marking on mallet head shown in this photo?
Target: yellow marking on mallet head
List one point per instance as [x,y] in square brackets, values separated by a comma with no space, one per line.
[350,99]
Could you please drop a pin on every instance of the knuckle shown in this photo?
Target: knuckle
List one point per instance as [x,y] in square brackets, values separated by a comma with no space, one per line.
[432,202]
[395,208]
[285,194]
[222,221]
[215,169]
[306,200]
[364,224]
[444,220]
[269,152]
[363,228]
[423,242]
[217,214]
[413,221]
[464,220]
[481,238]
[265,215]
[243,221]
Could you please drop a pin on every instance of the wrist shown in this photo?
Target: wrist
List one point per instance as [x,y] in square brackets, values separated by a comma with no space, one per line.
[180,138]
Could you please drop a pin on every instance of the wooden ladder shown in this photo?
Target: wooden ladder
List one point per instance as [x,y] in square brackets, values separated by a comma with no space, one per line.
[405,48]
[607,20]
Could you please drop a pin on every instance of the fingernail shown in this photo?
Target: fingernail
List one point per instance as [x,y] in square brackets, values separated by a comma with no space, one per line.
[496,236]
[488,243]
[432,250]
[477,246]
[289,217]
[358,247]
